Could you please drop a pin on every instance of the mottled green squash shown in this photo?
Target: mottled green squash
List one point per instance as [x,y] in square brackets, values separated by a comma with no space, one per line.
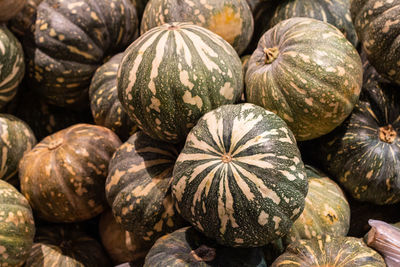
[138,187]
[70,40]
[377,25]
[239,178]
[306,72]
[63,176]
[24,20]
[9,8]
[17,227]
[230,19]
[175,73]
[66,245]
[329,251]
[187,247]
[12,65]
[103,95]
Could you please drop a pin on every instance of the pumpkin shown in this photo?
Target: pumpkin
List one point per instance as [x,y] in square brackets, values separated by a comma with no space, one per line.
[71,38]
[9,8]
[17,227]
[23,21]
[329,251]
[103,95]
[16,138]
[239,178]
[335,12]
[188,247]
[378,27]
[230,19]
[66,245]
[121,245]
[306,72]
[175,73]
[63,176]
[138,187]
[11,64]
[363,153]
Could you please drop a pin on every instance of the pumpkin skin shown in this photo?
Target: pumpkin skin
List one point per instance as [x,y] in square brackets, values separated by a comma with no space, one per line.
[17,227]
[16,138]
[378,29]
[188,247]
[329,251]
[71,39]
[63,176]
[22,22]
[311,81]
[66,245]
[239,178]
[335,12]
[9,8]
[326,209]
[138,187]
[103,95]
[173,74]
[12,65]
[230,19]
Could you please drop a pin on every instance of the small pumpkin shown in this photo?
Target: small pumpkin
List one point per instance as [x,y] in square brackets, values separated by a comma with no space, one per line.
[9,8]
[63,176]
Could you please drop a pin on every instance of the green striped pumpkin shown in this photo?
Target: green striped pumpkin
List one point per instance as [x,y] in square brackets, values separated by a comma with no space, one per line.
[305,71]
[329,251]
[66,245]
[378,27]
[17,227]
[106,109]
[175,73]
[70,40]
[12,65]
[230,19]
[138,187]
[239,178]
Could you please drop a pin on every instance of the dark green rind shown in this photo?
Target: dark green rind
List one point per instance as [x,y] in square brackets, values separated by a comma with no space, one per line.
[169,104]
[103,95]
[71,39]
[377,25]
[313,83]
[253,199]
[178,249]
[17,227]
[12,65]
[138,188]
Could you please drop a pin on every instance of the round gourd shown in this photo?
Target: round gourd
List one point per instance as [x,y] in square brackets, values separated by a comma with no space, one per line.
[329,251]
[239,178]
[63,176]
[335,12]
[12,65]
[138,187]
[378,27]
[175,73]
[187,247]
[17,227]
[16,138]
[103,95]
[9,8]
[66,245]
[70,40]
[230,19]
[305,71]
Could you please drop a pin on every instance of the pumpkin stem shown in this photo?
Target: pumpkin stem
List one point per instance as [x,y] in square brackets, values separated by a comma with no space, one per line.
[271,54]
[55,143]
[173,27]
[226,158]
[203,253]
[387,134]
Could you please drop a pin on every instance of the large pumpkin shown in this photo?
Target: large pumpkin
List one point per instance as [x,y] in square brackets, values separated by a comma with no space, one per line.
[17,227]
[175,73]
[307,72]
[378,27]
[70,40]
[230,19]
[63,176]
[239,178]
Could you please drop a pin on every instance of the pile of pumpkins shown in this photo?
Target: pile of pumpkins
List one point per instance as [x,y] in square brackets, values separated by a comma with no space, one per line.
[199,133]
